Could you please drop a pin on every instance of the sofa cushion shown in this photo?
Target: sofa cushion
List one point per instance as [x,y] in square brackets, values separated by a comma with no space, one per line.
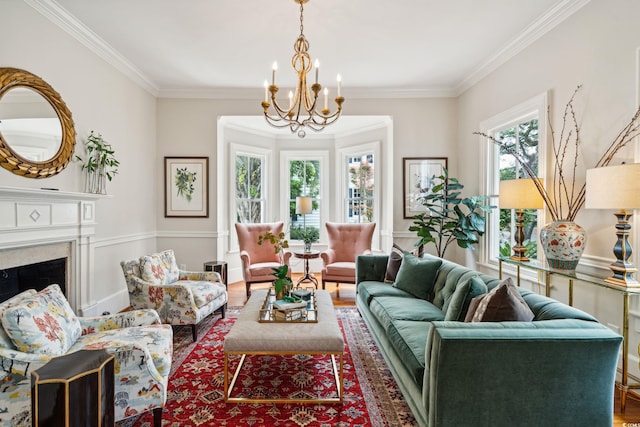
[43,323]
[203,292]
[341,268]
[393,264]
[503,303]
[387,309]
[417,275]
[371,289]
[5,341]
[157,338]
[160,268]
[458,305]
[409,339]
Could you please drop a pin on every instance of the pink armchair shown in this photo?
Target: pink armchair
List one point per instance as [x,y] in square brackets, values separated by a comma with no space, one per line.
[258,260]
[346,241]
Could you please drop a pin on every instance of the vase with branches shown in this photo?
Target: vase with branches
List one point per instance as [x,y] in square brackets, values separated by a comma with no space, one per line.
[562,197]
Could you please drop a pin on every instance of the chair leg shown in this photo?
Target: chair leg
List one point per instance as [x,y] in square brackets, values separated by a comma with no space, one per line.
[248,285]
[157,417]
[323,284]
[194,332]
[223,310]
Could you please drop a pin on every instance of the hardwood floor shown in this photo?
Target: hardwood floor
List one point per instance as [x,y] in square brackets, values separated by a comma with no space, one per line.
[345,296]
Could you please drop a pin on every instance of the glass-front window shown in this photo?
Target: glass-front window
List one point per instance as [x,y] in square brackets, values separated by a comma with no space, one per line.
[249,198]
[305,180]
[360,188]
[523,138]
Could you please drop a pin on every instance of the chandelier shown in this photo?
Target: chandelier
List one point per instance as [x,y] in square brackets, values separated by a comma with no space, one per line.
[302,110]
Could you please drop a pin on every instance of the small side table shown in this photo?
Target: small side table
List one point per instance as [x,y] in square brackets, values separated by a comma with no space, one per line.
[219,267]
[306,256]
[75,389]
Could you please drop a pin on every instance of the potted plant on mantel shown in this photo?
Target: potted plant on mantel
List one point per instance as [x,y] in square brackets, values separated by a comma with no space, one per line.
[101,164]
[448,217]
[563,241]
[283,283]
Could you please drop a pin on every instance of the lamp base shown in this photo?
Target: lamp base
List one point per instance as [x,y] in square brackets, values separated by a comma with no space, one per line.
[519,258]
[623,275]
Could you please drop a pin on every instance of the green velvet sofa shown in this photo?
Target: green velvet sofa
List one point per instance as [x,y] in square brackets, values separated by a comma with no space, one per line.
[557,370]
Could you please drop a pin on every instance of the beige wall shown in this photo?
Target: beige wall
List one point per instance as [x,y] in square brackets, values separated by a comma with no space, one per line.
[421,127]
[102,99]
[597,48]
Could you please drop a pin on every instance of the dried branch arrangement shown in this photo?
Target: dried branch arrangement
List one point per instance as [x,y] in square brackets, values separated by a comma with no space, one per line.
[563,199]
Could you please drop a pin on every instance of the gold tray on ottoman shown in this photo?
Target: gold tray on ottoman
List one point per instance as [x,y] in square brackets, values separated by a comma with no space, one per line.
[300,311]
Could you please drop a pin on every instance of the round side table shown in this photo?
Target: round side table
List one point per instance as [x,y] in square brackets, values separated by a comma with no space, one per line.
[306,256]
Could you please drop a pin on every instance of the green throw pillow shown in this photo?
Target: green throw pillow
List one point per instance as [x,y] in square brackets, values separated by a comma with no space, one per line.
[462,297]
[417,275]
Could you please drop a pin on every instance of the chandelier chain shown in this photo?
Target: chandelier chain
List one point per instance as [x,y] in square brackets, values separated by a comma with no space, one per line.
[301,24]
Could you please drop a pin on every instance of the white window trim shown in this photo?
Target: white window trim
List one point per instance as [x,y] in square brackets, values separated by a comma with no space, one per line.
[343,179]
[287,156]
[536,106]
[247,150]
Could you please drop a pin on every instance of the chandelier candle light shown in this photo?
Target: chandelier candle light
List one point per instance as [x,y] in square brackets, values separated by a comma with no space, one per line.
[302,111]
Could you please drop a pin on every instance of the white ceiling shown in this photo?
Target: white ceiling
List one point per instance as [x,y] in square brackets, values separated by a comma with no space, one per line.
[225,48]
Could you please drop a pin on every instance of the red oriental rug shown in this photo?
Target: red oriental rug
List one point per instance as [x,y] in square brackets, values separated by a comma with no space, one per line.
[195,396]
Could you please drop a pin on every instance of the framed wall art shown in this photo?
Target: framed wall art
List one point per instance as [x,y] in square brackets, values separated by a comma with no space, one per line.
[418,174]
[186,187]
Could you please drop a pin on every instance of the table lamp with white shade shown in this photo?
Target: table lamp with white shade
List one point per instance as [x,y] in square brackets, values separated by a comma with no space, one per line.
[304,207]
[520,194]
[617,187]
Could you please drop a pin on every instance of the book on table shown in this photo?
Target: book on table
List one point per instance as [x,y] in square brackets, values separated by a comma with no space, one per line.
[286,305]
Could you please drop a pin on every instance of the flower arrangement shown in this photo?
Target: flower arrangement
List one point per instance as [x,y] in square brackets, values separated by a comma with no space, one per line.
[563,199]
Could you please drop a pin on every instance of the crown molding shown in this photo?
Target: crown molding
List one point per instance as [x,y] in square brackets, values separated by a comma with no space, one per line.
[545,23]
[350,93]
[55,13]
[63,19]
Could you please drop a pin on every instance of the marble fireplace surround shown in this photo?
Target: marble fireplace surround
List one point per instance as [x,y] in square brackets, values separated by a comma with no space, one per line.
[40,225]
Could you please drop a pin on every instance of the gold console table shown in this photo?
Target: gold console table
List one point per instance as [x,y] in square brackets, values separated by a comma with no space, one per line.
[592,279]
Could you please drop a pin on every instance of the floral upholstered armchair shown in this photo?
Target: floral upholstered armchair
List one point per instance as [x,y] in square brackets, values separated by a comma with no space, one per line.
[38,326]
[179,297]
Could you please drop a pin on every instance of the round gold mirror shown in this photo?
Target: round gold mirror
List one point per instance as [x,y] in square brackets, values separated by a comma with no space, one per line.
[37,135]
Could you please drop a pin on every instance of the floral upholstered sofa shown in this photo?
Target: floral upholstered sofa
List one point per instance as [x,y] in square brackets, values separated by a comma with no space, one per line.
[180,297]
[38,326]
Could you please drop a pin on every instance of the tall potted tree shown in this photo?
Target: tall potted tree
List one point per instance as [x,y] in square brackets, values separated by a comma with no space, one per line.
[449,217]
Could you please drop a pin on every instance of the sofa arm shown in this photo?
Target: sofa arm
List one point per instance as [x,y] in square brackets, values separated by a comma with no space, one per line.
[202,276]
[126,319]
[525,371]
[371,268]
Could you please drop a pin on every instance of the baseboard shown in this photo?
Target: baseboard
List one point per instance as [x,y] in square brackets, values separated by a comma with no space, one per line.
[119,299]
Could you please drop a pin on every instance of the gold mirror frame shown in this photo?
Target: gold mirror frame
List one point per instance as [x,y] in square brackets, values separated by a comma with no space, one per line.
[11,78]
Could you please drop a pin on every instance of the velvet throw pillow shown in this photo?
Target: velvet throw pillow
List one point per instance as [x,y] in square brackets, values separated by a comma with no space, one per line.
[462,297]
[502,304]
[417,275]
[393,265]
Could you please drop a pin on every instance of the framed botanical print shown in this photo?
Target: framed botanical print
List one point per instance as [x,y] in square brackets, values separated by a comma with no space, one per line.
[418,175]
[186,187]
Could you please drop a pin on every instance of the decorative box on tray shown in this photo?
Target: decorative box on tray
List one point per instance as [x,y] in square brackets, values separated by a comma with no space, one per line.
[291,309]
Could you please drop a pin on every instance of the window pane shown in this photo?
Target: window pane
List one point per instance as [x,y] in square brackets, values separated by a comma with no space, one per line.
[248,198]
[522,138]
[304,180]
[361,188]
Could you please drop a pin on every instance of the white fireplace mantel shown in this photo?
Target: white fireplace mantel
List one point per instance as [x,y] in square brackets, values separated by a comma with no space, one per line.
[40,217]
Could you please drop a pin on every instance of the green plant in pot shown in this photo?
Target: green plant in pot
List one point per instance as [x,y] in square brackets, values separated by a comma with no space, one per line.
[101,164]
[449,217]
[283,283]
